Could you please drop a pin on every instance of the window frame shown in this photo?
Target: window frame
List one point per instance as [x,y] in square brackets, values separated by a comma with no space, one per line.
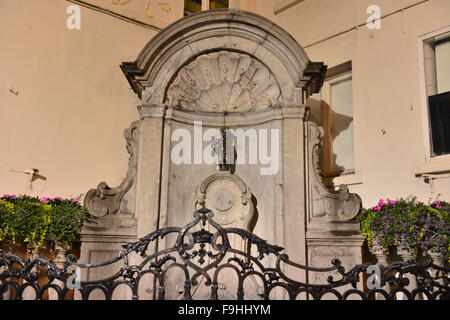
[206,6]
[432,163]
[351,176]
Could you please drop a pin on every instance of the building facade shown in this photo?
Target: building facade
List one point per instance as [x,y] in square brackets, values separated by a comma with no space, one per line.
[65,102]
[299,113]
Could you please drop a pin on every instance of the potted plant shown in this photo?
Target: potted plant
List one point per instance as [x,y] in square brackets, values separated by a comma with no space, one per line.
[36,222]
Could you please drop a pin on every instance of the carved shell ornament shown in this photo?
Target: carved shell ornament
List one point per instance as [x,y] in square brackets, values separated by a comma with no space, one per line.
[224,82]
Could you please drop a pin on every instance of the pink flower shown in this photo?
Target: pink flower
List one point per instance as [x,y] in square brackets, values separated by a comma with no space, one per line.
[75,201]
[14,196]
[381,203]
[437,204]
[393,202]
[377,208]
[5,195]
[44,200]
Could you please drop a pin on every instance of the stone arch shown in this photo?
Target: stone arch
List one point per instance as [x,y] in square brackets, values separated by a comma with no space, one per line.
[224,30]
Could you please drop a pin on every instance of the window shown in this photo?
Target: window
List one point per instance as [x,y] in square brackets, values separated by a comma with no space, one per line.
[439,106]
[332,109]
[437,81]
[337,120]
[218,4]
[193,6]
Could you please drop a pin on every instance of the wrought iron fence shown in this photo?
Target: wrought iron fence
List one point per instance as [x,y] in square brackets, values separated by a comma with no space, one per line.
[202,251]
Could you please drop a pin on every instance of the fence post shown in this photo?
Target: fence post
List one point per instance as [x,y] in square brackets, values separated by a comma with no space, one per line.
[29,293]
[60,261]
[381,253]
[405,253]
[438,260]
[7,292]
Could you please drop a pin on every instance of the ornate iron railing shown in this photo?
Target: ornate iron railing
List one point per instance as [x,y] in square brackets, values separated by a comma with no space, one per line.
[202,251]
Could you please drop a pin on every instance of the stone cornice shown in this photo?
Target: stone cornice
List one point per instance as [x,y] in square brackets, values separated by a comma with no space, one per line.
[236,120]
[223,30]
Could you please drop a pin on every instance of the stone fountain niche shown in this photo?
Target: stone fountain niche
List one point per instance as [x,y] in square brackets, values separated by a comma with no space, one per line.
[209,73]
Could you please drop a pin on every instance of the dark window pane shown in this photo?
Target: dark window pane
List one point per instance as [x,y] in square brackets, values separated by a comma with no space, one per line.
[440,123]
[218,4]
[192,6]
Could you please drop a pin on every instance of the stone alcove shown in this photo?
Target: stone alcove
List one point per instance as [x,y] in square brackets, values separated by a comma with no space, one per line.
[236,70]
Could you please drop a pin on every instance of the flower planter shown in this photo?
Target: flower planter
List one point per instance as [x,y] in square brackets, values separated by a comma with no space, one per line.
[380,252]
[412,226]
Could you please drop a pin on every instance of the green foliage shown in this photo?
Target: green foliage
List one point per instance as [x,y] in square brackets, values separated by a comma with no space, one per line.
[422,227]
[34,221]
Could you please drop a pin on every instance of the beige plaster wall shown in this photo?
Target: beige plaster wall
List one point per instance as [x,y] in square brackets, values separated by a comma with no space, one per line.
[73,101]
[387,88]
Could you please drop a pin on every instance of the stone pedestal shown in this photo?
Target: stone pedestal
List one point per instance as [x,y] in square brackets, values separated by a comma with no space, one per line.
[60,260]
[29,293]
[334,240]
[439,261]
[381,254]
[7,247]
[404,252]
[100,242]
[332,232]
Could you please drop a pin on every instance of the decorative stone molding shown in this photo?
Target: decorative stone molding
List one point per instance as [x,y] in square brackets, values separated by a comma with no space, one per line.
[381,254]
[147,95]
[32,254]
[438,260]
[236,119]
[228,197]
[328,205]
[60,253]
[104,200]
[404,252]
[225,82]
[154,111]
[314,77]
[224,30]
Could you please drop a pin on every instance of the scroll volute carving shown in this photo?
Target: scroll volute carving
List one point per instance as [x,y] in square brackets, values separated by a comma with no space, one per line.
[328,205]
[104,200]
[224,82]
